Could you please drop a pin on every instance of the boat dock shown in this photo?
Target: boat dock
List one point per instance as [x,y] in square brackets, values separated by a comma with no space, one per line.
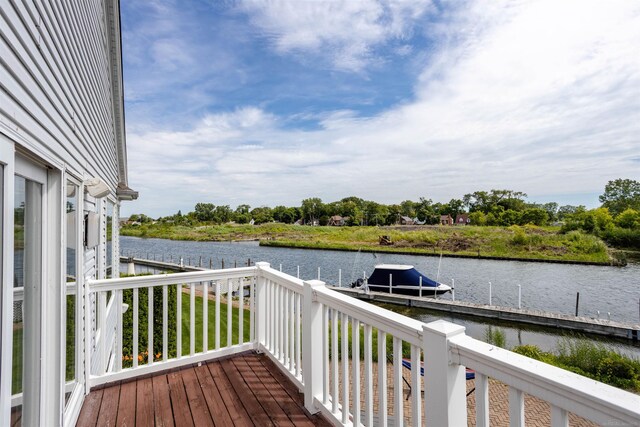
[531,317]
[524,316]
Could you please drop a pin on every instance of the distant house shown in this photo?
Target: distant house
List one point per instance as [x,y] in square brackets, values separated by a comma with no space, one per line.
[416,221]
[463,219]
[405,220]
[337,221]
[446,220]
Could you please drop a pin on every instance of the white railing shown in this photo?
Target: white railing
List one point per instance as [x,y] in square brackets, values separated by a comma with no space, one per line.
[326,343]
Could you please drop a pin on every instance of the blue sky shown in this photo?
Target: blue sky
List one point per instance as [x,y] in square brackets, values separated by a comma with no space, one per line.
[271,102]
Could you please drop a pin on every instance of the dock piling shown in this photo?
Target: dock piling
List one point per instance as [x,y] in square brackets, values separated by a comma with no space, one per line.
[577,302]
[519,297]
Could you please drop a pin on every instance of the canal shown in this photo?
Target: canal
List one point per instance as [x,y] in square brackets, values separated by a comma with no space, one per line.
[612,292]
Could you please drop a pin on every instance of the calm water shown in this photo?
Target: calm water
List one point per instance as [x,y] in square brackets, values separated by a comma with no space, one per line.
[548,287]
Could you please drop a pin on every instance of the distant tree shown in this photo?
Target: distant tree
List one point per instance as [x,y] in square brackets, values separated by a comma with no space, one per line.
[510,217]
[478,218]
[535,216]
[495,201]
[262,215]
[567,210]
[241,215]
[552,210]
[621,194]
[222,214]
[284,214]
[204,211]
[393,214]
[408,208]
[629,218]
[424,209]
[312,209]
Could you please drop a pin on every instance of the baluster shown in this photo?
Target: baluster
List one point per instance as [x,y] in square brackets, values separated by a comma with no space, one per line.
[345,368]
[516,407]
[179,320]
[240,311]
[368,376]
[276,321]
[192,319]
[118,301]
[335,397]
[382,378]
[217,315]
[135,327]
[267,315]
[398,411]
[292,335]
[229,312]
[150,326]
[482,400]
[355,362]
[102,326]
[286,361]
[298,298]
[416,387]
[252,308]
[559,417]
[205,317]
[325,354]
[165,322]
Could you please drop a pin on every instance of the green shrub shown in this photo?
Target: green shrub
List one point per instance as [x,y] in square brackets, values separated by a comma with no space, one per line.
[622,237]
[496,337]
[529,350]
[519,236]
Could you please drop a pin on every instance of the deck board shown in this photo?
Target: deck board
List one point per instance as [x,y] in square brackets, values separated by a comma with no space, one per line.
[144,402]
[127,409]
[245,390]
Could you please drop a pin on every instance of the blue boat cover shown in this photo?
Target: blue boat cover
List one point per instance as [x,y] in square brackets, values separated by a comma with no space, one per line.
[400,277]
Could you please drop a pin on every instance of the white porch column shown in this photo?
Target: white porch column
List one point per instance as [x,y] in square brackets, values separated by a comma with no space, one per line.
[312,361]
[261,305]
[444,383]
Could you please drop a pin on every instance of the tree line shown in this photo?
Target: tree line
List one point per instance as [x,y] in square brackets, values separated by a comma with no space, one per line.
[620,209]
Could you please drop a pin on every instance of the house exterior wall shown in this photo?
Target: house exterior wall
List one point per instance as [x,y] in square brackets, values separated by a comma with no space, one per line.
[61,106]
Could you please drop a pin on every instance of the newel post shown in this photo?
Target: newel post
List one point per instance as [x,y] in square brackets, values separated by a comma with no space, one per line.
[261,305]
[444,382]
[312,361]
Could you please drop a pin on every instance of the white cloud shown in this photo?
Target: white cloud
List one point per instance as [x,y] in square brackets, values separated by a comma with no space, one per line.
[345,31]
[537,96]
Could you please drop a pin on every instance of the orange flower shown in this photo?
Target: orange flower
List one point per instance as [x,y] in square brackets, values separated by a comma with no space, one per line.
[140,358]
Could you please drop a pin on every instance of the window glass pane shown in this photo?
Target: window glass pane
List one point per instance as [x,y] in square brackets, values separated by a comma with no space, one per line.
[26,309]
[109,240]
[70,319]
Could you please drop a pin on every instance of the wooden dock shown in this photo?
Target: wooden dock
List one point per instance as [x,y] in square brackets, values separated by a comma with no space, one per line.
[531,317]
[524,316]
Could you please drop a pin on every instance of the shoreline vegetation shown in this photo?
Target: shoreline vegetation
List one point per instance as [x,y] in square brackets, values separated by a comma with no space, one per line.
[519,243]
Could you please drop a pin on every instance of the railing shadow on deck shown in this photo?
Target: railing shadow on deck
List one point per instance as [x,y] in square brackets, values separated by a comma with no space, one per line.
[328,344]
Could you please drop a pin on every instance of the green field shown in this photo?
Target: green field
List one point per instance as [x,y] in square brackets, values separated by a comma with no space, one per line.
[527,242]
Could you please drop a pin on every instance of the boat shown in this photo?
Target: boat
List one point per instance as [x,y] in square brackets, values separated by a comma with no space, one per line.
[401,279]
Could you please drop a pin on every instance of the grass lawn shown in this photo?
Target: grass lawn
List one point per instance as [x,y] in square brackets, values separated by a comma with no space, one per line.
[211,331]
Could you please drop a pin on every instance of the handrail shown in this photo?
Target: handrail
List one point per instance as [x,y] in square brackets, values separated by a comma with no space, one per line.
[400,326]
[168,279]
[591,399]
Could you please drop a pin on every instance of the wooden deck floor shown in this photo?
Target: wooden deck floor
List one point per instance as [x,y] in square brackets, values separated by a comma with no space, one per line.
[246,390]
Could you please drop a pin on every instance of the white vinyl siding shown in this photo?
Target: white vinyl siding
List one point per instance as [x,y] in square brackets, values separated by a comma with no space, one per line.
[56,88]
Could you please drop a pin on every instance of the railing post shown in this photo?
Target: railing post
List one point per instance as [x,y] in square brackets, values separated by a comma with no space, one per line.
[444,381]
[312,362]
[261,305]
